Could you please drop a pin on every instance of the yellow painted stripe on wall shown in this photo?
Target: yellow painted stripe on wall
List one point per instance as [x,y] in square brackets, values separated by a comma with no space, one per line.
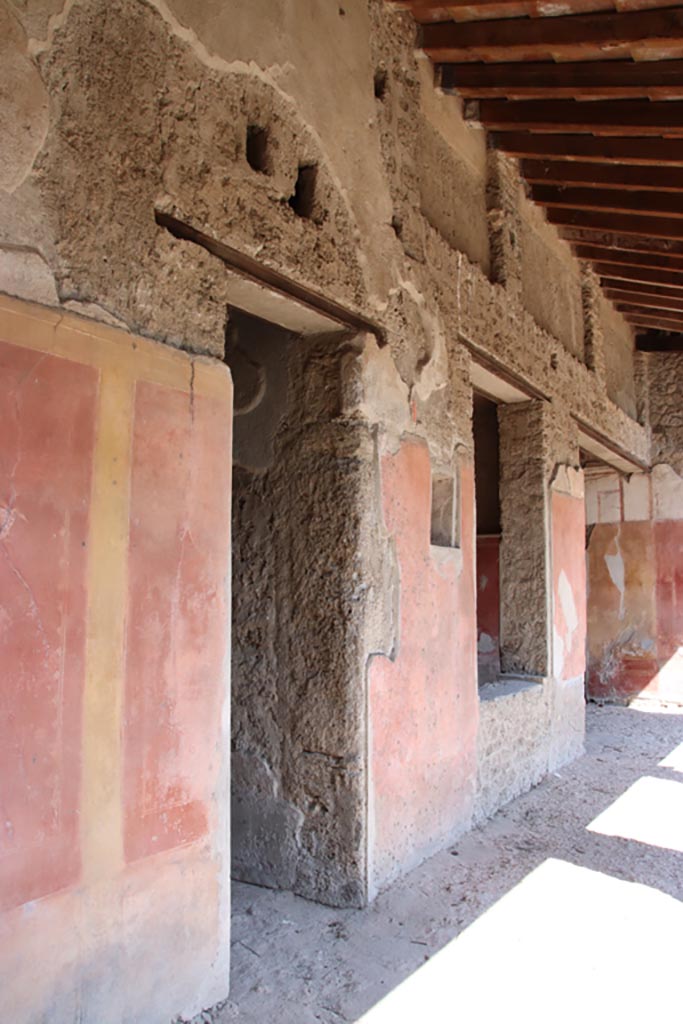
[93,344]
[101,801]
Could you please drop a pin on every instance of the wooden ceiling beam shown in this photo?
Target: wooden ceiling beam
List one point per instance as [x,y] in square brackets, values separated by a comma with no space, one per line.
[608,117]
[614,200]
[665,315]
[657,33]
[512,8]
[644,300]
[602,254]
[623,79]
[443,10]
[624,176]
[662,322]
[644,288]
[641,151]
[465,10]
[624,224]
[641,274]
[618,241]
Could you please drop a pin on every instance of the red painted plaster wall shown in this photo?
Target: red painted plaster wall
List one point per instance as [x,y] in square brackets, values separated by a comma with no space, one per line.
[115,458]
[46,453]
[635,574]
[569,585]
[179,508]
[423,704]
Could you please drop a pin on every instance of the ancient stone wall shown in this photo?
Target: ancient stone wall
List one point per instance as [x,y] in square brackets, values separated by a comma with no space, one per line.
[556,305]
[149,106]
[524,545]
[619,358]
[151,143]
[664,377]
[513,742]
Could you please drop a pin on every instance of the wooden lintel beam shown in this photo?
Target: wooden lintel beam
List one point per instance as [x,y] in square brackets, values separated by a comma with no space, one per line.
[245,266]
[624,176]
[621,79]
[624,224]
[615,200]
[573,37]
[601,254]
[608,117]
[585,147]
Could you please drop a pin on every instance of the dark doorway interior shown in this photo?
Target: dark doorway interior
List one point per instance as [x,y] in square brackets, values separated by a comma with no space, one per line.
[487,483]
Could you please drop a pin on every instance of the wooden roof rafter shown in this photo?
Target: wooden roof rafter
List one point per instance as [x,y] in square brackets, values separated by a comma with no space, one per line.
[588,94]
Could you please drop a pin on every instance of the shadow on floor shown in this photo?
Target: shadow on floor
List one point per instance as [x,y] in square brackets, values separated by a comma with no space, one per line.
[543,914]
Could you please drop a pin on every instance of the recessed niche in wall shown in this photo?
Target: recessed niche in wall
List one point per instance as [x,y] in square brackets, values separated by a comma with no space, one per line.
[444,529]
[303,200]
[258,155]
[380,83]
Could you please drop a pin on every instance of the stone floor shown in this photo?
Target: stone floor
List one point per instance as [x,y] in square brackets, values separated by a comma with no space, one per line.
[565,907]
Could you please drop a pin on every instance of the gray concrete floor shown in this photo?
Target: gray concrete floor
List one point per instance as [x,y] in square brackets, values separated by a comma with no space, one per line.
[565,907]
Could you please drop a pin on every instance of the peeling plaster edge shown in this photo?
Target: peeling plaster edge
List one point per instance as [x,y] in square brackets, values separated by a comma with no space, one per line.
[56,21]
[568,480]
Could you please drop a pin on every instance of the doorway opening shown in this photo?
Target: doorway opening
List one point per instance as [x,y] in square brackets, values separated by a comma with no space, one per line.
[297,783]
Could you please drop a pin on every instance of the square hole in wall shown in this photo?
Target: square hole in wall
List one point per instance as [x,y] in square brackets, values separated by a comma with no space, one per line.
[303,199]
[445,519]
[258,149]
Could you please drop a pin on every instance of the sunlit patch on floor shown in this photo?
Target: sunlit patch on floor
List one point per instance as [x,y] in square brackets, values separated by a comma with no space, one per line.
[566,944]
[650,811]
[674,760]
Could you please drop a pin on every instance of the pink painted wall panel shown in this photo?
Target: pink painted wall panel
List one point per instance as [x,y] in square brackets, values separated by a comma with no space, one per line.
[569,585]
[423,705]
[177,616]
[46,453]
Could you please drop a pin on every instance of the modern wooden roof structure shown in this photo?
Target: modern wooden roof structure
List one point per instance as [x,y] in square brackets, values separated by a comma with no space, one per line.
[589,95]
